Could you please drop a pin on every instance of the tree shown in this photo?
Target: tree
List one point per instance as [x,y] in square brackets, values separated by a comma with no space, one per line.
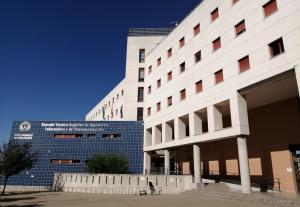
[13,159]
[102,163]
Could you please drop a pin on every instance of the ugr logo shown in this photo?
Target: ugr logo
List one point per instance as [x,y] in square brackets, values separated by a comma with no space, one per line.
[25,126]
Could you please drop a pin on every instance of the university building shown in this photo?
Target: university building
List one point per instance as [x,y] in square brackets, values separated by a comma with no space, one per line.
[219,94]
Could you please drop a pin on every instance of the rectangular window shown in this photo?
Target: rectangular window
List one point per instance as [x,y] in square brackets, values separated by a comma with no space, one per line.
[149,89]
[196,29]
[169,75]
[240,28]
[170,52]
[244,63]
[122,92]
[140,114]
[149,111]
[142,55]
[158,62]
[214,14]
[181,42]
[234,1]
[158,83]
[158,107]
[198,86]
[91,136]
[169,101]
[58,161]
[140,94]
[197,56]
[270,7]
[217,44]
[111,136]
[141,74]
[68,136]
[219,76]
[182,67]
[182,95]
[150,69]
[276,47]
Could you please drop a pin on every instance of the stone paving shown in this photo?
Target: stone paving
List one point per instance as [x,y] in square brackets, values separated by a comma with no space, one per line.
[55,199]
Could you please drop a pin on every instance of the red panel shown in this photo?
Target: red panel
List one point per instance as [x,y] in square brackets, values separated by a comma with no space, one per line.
[219,76]
[199,87]
[158,106]
[158,83]
[217,44]
[244,64]
[215,14]
[196,29]
[241,27]
[234,1]
[170,101]
[181,42]
[158,61]
[149,111]
[170,76]
[182,95]
[170,52]
[149,89]
[270,8]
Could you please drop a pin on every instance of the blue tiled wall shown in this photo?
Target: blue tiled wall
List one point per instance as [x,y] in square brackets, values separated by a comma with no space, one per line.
[130,144]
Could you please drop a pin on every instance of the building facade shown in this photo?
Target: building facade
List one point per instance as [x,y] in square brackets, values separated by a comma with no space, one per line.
[222,95]
[65,146]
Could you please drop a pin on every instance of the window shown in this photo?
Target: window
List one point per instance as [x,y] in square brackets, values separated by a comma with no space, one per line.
[270,7]
[149,89]
[149,111]
[67,136]
[91,136]
[111,136]
[158,61]
[122,92]
[234,1]
[140,94]
[169,102]
[214,14]
[170,52]
[182,95]
[240,28]
[117,96]
[198,86]
[217,44]
[140,114]
[58,161]
[276,47]
[158,107]
[142,56]
[219,76]
[182,67]
[141,74]
[244,63]
[169,75]
[181,42]
[158,83]
[150,69]
[197,56]
[196,29]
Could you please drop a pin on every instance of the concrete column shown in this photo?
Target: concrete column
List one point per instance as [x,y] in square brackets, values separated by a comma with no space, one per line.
[167,162]
[215,121]
[164,132]
[147,163]
[197,163]
[244,165]
[157,135]
[179,128]
[239,113]
[297,71]
[153,135]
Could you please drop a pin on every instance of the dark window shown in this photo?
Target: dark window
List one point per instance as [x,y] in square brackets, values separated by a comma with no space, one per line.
[214,14]
[240,28]
[149,89]
[150,69]
[142,55]
[182,67]
[182,94]
[67,136]
[158,107]
[91,136]
[244,63]
[169,75]
[140,114]
[140,94]
[170,101]
[217,44]
[270,8]
[141,74]
[149,111]
[198,56]
[196,29]
[219,76]
[111,135]
[234,1]
[181,42]
[198,86]
[158,61]
[122,92]
[158,83]
[170,52]
[276,47]
[64,161]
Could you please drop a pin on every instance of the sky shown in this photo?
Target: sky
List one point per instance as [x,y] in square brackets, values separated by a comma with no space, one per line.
[59,58]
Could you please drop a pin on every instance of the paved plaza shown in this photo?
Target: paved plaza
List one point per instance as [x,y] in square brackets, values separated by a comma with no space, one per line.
[55,199]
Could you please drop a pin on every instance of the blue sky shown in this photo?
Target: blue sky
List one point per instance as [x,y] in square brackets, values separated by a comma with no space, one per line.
[58,58]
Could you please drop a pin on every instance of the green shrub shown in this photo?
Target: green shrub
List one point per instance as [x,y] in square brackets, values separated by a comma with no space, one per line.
[103,163]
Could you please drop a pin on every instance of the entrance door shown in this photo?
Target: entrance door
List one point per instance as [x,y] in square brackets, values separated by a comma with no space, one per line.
[295,149]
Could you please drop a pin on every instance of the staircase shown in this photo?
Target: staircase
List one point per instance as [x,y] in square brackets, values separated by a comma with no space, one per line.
[221,191]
